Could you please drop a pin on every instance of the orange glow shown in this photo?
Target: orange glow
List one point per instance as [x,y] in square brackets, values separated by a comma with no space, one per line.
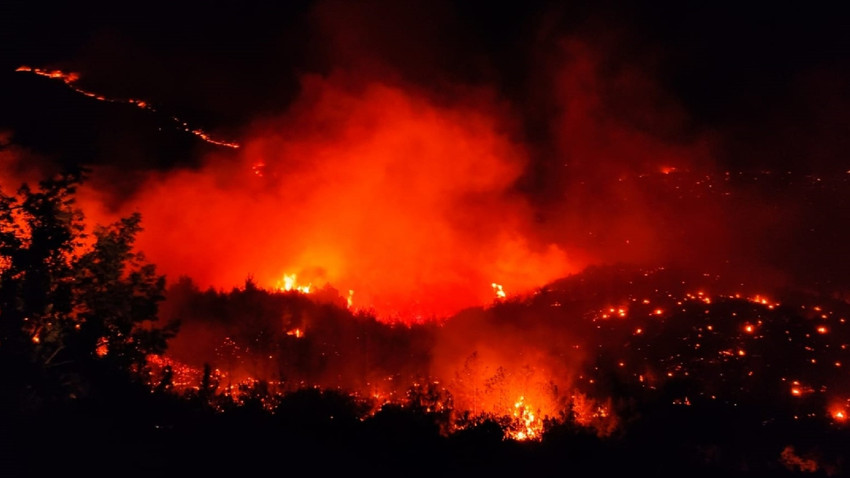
[749,329]
[415,199]
[373,188]
[822,330]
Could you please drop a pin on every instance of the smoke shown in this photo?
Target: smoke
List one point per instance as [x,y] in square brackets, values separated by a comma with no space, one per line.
[418,201]
[367,186]
[411,173]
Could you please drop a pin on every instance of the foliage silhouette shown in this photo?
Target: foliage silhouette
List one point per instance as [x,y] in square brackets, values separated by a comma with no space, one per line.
[76,309]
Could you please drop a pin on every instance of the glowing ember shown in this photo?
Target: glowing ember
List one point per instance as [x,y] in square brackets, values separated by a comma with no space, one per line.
[297,333]
[102,347]
[761,299]
[498,290]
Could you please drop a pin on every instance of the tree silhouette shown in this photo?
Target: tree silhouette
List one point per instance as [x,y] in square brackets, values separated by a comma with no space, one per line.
[72,304]
[117,298]
[39,231]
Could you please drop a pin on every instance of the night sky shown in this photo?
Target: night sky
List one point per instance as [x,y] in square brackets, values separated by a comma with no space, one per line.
[771,80]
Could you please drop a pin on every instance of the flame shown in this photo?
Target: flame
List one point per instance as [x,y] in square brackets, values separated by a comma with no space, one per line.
[297,333]
[71,78]
[290,283]
[527,425]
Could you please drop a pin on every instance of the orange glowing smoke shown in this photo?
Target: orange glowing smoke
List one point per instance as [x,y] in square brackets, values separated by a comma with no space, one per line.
[371,188]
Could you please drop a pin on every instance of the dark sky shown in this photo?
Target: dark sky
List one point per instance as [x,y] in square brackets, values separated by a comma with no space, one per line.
[761,75]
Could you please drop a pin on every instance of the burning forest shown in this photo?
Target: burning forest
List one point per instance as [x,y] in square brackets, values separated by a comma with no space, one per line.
[426,238]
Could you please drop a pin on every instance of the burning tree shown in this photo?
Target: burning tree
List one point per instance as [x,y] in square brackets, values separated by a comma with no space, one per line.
[72,305]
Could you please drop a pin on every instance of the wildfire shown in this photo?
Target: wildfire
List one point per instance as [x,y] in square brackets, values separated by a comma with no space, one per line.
[71,78]
[498,290]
